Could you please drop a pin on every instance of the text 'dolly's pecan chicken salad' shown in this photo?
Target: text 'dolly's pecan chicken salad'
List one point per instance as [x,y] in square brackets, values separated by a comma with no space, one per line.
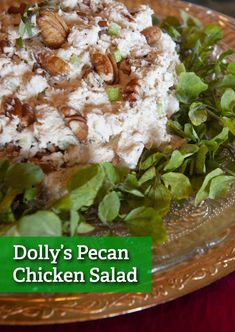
[110,116]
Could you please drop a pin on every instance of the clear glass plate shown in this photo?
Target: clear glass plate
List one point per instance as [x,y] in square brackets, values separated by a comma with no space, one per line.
[200,247]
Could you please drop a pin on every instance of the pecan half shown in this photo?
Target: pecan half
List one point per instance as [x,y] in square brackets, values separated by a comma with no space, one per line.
[153,55]
[152,34]
[106,67]
[115,68]
[52,64]
[129,17]
[53,28]
[78,125]
[65,110]
[17,9]
[28,116]
[13,107]
[125,66]
[103,24]
[86,70]
[4,43]
[81,14]
[131,91]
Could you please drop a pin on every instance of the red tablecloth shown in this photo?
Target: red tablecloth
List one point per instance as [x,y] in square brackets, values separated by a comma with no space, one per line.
[211,309]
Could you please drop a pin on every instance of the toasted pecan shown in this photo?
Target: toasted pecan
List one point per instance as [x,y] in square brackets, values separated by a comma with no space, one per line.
[53,28]
[152,34]
[12,106]
[17,9]
[78,125]
[52,64]
[106,67]
[131,90]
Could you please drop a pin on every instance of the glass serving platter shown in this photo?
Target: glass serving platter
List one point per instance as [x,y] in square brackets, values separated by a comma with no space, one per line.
[200,247]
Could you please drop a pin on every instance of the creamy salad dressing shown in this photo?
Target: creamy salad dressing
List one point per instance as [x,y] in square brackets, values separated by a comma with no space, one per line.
[116,130]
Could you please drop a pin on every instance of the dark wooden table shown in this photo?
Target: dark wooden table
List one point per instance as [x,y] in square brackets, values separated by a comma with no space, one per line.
[224,6]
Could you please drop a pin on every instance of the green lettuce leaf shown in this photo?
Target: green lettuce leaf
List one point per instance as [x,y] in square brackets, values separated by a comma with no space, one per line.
[178,184]
[189,87]
[42,223]
[109,207]
[146,222]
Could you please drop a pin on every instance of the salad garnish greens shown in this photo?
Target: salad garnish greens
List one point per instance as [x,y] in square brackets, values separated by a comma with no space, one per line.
[202,166]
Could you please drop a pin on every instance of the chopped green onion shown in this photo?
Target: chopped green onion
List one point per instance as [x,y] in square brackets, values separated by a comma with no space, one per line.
[180,68]
[28,28]
[114,29]
[117,55]
[113,94]
[30,194]
[155,20]
[19,42]
[159,109]
[24,27]
[75,60]
[21,28]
